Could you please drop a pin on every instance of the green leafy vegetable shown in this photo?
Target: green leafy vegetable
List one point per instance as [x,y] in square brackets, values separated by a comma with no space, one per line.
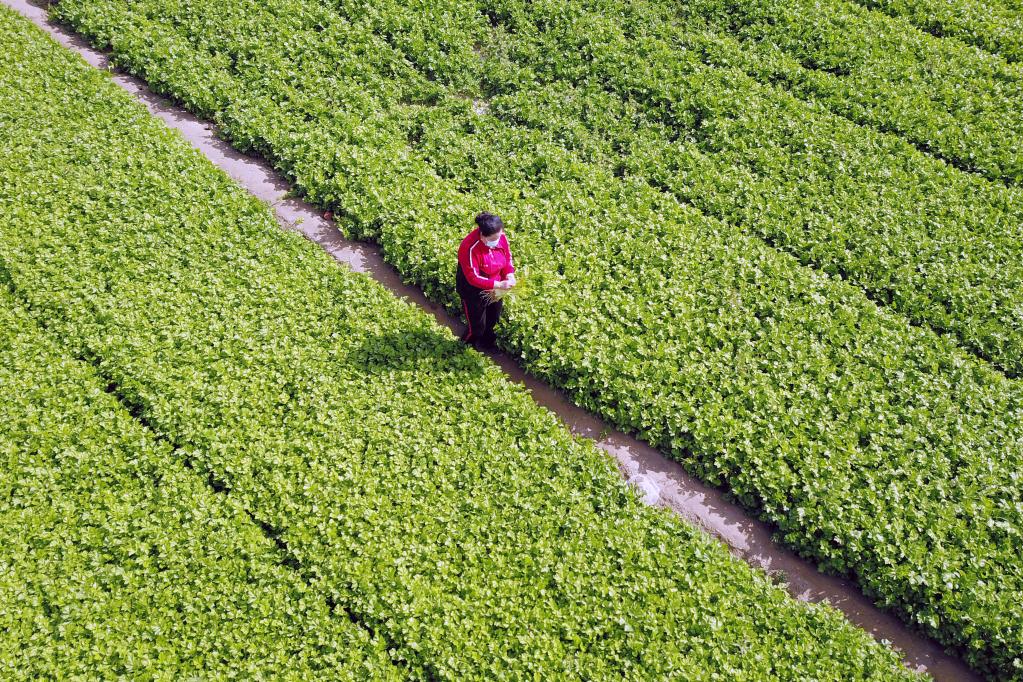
[640,183]
[421,491]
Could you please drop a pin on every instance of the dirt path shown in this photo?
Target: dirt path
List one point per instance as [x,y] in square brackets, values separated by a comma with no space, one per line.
[662,481]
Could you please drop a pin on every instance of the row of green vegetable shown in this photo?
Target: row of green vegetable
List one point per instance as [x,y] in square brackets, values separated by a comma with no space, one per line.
[117,561]
[941,95]
[941,246]
[878,448]
[993,25]
[416,487]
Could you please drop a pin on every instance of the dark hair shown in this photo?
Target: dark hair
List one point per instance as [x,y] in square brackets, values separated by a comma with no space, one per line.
[489,224]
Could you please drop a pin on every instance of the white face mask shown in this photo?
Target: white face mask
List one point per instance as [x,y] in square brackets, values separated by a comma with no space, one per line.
[492,243]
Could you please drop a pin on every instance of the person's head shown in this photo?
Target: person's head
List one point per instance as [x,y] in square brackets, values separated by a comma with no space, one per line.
[490,226]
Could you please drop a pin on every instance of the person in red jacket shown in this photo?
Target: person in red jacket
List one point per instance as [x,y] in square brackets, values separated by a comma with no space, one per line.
[484,264]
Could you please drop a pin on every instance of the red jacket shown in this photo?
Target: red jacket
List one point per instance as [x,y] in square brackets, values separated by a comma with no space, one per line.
[482,265]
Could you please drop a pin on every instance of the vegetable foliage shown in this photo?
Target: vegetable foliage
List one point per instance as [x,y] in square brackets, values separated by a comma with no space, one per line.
[879,448]
[119,562]
[420,490]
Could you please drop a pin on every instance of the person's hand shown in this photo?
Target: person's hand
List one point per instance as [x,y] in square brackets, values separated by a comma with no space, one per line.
[501,284]
[511,279]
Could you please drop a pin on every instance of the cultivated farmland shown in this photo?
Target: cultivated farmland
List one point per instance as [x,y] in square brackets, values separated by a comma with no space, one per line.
[816,313]
[222,376]
[778,242]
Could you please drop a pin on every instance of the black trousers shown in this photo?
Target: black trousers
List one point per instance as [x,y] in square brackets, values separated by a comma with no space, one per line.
[480,315]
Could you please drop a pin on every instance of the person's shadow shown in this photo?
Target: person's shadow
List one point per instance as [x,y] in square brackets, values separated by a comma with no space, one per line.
[428,350]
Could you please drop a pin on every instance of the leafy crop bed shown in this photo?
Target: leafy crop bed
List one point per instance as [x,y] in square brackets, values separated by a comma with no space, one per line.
[989,24]
[939,245]
[880,449]
[415,487]
[945,97]
[119,562]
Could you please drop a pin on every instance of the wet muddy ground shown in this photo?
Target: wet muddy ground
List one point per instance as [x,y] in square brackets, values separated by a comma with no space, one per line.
[659,480]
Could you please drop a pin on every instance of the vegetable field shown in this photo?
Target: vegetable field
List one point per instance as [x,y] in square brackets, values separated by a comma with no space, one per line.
[225,456]
[118,559]
[782,246]
[781,241]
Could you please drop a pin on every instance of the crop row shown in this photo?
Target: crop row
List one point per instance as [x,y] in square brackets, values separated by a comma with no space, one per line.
[988,24]
[119,562]
[879,449]
[425,494]
[939,245]
[945,97]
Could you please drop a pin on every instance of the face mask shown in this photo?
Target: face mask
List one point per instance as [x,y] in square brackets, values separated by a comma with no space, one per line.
[492,243]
